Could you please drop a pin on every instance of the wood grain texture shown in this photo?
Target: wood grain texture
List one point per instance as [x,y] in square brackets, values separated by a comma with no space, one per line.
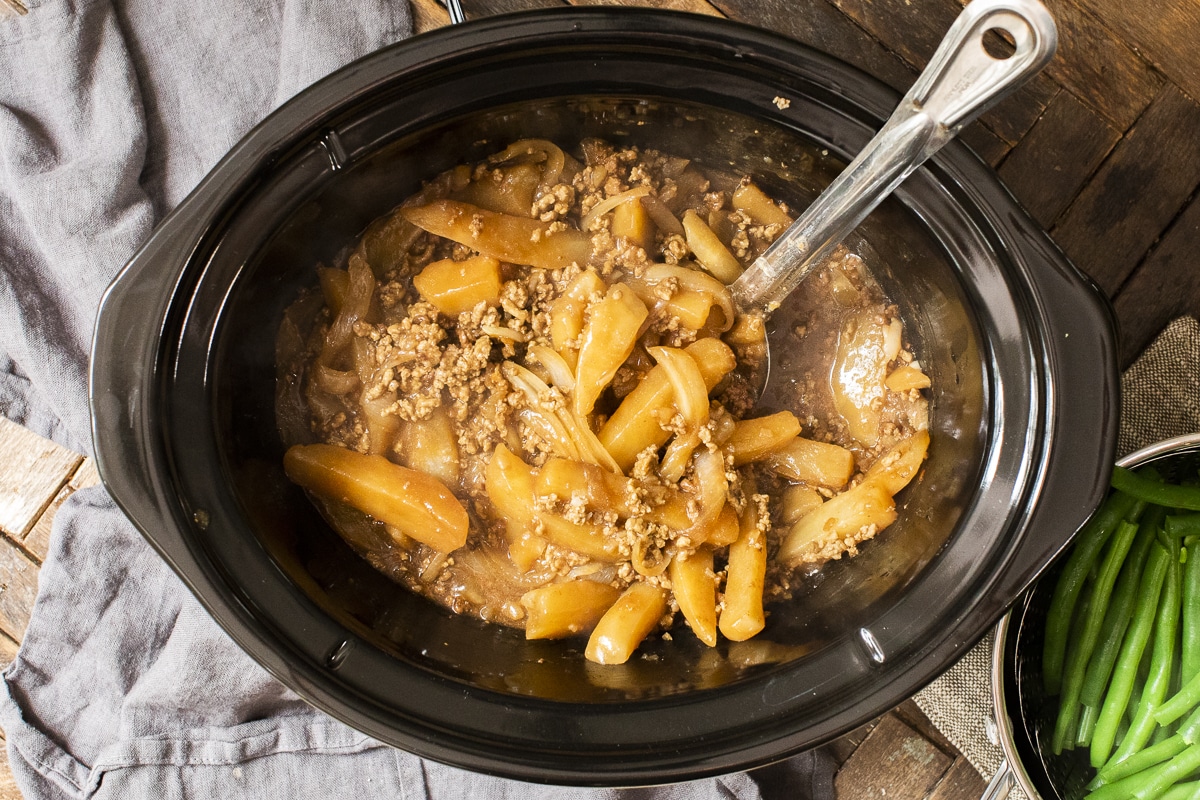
[1136,193]
[428,15]
[1165,286]
[1099,67]
[913,31]
[1165,32]
[18,588]
[823,27]
[960,781]
[691,6]
[33,470]
[1049,167]
[37,541]
[8,652]
[892,762]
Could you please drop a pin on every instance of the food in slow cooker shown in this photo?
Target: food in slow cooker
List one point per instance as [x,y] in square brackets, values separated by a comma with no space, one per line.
[526,394]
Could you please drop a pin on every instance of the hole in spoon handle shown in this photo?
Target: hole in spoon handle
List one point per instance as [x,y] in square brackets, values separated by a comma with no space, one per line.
[963,79]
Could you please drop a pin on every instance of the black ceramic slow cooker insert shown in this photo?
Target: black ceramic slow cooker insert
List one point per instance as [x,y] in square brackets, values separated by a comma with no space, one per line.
[1019,346]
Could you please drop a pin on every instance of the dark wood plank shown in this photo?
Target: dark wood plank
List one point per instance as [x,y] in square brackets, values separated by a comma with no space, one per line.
[1047,169]
[844,746]
[1165,32]
[18,588]
[960,781]
[894,762]
[1136,193]
[1097,66]
[912,716]
[913,31]
[822,26]
[986,144]
[1166,285]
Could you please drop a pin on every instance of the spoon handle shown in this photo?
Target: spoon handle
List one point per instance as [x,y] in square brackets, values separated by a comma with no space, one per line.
[961,81]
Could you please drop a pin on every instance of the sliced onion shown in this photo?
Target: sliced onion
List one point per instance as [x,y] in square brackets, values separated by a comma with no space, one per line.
[335,381]
[892,335]
[567,431]
[557,367]
[643,565]
[552,157]
[608,204]
[691,393]
[500,332]
[678,454]
[355,305]
[661,216]
[712,492]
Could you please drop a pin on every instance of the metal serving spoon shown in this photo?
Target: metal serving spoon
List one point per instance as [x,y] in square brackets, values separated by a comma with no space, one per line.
[961,81]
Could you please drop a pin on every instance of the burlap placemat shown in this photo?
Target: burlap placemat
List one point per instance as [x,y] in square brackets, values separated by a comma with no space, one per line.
[1160,398]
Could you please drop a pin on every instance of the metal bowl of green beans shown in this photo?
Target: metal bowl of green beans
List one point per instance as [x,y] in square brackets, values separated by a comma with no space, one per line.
[1097,669]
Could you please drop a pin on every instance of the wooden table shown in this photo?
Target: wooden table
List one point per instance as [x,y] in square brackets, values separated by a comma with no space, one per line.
[1103,149]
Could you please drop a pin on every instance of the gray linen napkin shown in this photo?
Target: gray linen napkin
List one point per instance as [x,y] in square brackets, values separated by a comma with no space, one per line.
[110,112]
[1160,398]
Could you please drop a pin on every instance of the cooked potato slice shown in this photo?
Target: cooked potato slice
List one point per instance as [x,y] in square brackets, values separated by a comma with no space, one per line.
[742,615]
[609,335]
[509,483]
[708,249]
[566,609]
[725,529]
[859,369]
[636,425]
[753,201]
[755,439]
[566,314]
[417,504]
[505,190]
[798,500]
[694,585]
[814,463]
[901,379]
[854,515]
[631,222]
[430,446]
[457,286]
[518,240]
[626,624]
[898,466]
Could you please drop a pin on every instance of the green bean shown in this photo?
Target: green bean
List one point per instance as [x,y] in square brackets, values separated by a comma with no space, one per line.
[1090,541]
[1190,628]
[1153,491]
[1081,651]
[1125,671]
[1183,701]
[1158,680]
[1115,770]
[1180,525]
[1124,597]
[1167,775]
